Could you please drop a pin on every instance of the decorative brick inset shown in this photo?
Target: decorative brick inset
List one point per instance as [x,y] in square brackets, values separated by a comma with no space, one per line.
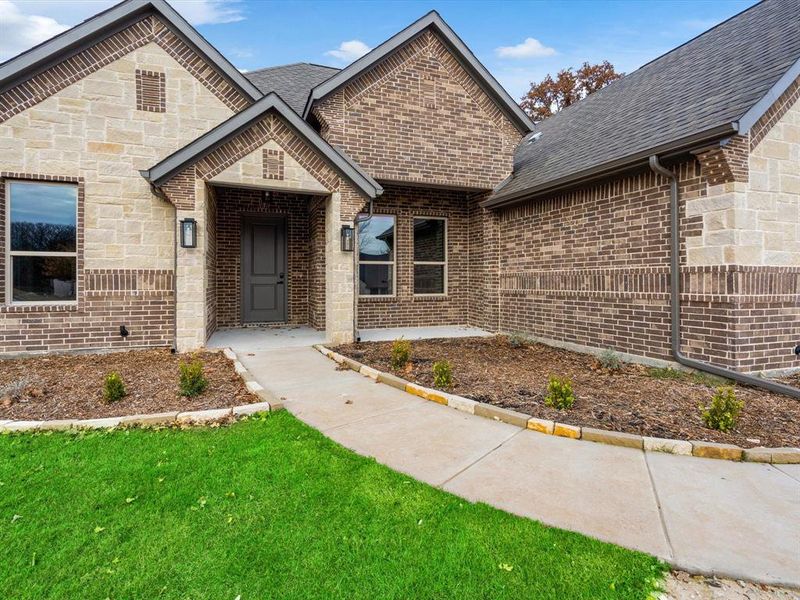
[273,163]
[151,91]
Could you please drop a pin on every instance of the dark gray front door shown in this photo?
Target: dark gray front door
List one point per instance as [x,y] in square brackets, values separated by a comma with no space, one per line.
[263,270]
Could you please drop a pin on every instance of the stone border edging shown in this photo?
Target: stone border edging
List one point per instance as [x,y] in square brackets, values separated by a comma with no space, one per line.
[614,438]
[268,403]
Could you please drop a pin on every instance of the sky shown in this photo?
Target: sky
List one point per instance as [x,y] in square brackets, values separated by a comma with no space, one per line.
[519,42]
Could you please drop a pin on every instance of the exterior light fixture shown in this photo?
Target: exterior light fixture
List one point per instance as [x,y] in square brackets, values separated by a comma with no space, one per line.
[347,238]
[188,233]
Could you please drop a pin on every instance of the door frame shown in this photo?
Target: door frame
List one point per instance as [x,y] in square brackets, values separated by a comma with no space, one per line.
[246,218]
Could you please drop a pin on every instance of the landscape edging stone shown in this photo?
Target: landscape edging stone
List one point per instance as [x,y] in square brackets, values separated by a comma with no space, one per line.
[601,436]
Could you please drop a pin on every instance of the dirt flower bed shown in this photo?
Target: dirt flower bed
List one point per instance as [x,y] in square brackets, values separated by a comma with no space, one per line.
[634,399]
[71,386]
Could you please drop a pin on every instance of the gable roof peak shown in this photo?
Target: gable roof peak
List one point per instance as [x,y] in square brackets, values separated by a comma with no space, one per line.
[454,43]
[94,29]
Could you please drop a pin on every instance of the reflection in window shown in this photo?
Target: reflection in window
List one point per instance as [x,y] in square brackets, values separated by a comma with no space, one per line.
[376,256]
[430,255]
[43,241]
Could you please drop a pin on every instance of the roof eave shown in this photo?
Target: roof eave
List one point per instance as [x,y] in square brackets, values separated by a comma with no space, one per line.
[465,56]
[93,30]
[632,161]
[162,172]
[758,110]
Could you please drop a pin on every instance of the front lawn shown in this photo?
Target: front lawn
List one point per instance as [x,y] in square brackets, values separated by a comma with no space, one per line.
[269,508]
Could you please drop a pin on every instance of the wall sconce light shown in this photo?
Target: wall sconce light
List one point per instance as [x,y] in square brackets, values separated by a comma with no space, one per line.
[188,233]
[347,238]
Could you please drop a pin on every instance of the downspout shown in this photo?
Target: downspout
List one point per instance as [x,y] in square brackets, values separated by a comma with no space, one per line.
[356,222]
[675,299]
[159,192]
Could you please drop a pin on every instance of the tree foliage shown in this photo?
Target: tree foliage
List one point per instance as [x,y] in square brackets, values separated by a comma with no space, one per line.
[569,85]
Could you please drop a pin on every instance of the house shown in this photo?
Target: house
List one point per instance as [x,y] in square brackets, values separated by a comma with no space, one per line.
[153,194]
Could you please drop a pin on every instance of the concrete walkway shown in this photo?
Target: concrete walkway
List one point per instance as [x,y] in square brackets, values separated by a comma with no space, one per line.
[739,520]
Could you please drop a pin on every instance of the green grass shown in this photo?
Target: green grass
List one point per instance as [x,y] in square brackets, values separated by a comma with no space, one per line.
[697,377]
[269,508]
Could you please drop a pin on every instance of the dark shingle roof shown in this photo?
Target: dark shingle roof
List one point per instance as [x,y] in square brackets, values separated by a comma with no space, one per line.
[291,82]
[709,83]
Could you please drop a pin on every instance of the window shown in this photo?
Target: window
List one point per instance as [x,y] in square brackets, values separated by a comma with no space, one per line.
[42,247]
[376,256]
[430,255]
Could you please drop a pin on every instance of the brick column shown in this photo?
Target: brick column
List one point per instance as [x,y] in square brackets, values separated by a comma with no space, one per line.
[190,301]
[339,277]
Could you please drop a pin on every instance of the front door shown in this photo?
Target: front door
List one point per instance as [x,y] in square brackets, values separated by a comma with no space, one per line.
[263,270]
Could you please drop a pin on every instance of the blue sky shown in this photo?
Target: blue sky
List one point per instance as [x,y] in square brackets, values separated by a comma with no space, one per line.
[518,41]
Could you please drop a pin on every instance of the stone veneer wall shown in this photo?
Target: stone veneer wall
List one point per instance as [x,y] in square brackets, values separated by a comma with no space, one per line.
[233,204]
[79,121]
[404,309]
[316,262]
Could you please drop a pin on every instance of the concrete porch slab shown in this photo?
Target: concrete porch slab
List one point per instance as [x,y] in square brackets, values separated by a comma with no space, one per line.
[421,333]
[729,518]
[602,491]
[254,339]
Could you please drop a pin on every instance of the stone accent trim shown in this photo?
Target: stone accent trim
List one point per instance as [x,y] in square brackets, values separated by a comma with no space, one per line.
[273,163]
[151,91]
[546,427]
[148,29]
[774,113]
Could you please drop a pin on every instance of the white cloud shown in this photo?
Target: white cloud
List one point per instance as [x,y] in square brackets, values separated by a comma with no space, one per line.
[19,31]
[349,51]
[209,12]
[25,23]
[530,48]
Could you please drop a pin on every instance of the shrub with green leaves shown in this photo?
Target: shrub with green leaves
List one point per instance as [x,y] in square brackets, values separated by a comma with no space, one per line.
[559,393]
[610,360]
[723,412]
[401,353]
[442,374]
[518,340]
[192,382]
[113,387]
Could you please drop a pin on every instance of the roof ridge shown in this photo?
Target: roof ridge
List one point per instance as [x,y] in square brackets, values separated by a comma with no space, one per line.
[261,69]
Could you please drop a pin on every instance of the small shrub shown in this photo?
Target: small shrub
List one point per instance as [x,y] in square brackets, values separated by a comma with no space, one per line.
[113,387]
[401,353]
[518,340]
[192,380]
[723,412]
[559,393]
[442,374]
[610,360]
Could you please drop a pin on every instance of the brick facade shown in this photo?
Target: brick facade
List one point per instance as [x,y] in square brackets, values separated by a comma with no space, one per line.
[404,309]
[232,206]
[418,117]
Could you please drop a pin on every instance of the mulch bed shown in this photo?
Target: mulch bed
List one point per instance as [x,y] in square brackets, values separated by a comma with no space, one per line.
[632,399]
[71,386]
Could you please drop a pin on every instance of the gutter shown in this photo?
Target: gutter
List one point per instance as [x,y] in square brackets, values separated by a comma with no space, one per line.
[675,306]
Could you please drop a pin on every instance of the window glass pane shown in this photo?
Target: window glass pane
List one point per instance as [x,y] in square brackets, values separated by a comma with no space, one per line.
[43,217]
[43,278]
[375,280]
[429,240]
[429,279]
[376,238]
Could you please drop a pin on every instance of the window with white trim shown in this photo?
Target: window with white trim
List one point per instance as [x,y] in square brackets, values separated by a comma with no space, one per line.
[376,261]
[41,234]
[430,256]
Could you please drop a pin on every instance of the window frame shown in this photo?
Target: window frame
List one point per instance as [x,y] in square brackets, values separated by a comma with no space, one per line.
[444,263]
[10,254]
[393,263]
